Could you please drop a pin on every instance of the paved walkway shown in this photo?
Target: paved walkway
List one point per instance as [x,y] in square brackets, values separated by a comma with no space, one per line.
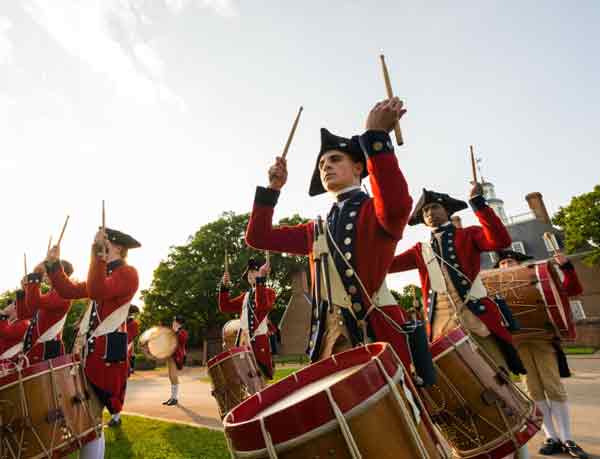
[147,390]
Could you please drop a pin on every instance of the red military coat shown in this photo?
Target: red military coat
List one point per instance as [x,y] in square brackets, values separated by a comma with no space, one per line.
[46,310]
[133,329]
[11,334]
[262,304]
[468,243]
[376,227]
[571,282]
[181,349]
[111,285]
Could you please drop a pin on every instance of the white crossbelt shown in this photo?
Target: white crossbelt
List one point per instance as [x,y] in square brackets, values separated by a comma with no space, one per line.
[53,331]
[12,351]
[111,323]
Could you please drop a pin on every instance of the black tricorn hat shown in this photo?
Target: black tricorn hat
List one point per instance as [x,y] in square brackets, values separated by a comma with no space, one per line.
[330,142]
[122,239]
[506,254]
[133,309]
[253,265]
[429,197]
[67,267]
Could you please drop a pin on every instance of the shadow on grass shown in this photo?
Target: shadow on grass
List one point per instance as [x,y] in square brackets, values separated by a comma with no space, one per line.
[119,446]
[198,419]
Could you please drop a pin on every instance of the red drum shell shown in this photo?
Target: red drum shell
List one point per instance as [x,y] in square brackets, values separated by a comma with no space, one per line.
[242,424]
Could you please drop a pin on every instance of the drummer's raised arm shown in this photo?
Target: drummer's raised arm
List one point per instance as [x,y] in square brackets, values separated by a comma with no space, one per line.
[65,287]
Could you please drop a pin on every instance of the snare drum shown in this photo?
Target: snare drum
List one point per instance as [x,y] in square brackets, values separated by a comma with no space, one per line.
[47,410]
[358,403]
[158,343]
[481,413]
[230,333]
[536,298]
[235,377]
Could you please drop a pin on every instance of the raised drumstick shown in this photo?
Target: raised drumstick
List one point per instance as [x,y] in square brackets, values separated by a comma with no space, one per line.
[49,245]
[226,262]
[473,164]
[62,232]
[292,132]
[390,94]
[25,263]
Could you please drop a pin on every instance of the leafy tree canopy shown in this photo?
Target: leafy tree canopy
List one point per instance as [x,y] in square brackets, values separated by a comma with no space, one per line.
[580,221]
[186,281]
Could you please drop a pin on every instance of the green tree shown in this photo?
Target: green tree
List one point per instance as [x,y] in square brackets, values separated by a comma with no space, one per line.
[186,281]
[580,221]
[406,299]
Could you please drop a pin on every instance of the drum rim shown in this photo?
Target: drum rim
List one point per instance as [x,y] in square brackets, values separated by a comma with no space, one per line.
[227,354]
[328,426]
[445,343]
[364,355]
[38,369]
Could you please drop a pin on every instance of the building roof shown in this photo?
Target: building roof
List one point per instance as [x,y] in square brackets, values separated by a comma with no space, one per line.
[531,234]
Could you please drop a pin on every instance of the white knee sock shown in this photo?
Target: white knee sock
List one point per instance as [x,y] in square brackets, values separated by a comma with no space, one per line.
[560,410]
[93,449]
[116,416]
[548,423]
[174,391]
[522,453]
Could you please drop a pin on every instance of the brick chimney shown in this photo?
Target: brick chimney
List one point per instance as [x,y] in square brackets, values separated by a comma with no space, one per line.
[456,221]
[537,206]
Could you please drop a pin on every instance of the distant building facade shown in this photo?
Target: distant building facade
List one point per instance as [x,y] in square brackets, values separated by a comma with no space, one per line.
[527,233]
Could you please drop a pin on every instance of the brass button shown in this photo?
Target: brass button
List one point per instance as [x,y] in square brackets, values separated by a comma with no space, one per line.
[348,255]
[377,146]
[352,290]
[353,213]
[357,307]
[349,226]
[341,323]
[349,272]
[348,241]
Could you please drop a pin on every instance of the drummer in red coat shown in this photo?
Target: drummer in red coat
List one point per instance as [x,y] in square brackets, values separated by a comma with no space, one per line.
[449,266]
[48,314]
[132,332]
[176,362]
[12,332]
[546,363]
[253,306]
[111,285]
[357,242]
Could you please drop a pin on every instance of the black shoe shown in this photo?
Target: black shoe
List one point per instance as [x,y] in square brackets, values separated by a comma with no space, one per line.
[171,402]
[114,422]
[571,448]
[551,446]
[168,402]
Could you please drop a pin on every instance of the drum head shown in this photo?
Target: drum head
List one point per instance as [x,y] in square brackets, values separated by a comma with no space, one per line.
[159,342]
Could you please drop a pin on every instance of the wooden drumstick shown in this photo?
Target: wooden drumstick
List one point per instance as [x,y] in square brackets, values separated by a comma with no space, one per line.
[473,165]
[62,232]
[104,251]
[49,245]
[292,132]
[25,263]
[226,262]
[390,94]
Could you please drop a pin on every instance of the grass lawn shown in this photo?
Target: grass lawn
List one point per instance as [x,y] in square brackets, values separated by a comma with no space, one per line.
[144,438]
[579,350]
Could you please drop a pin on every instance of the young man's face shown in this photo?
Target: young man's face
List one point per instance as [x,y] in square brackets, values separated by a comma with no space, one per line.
[339,171]
[508,263]
[434,215]
[252,274]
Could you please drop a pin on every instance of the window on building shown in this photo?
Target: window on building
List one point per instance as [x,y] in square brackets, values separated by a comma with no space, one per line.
[518,247]
[577,310]
[548,244]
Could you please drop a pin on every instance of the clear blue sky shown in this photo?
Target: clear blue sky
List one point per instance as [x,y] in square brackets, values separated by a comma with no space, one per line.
[172,110]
